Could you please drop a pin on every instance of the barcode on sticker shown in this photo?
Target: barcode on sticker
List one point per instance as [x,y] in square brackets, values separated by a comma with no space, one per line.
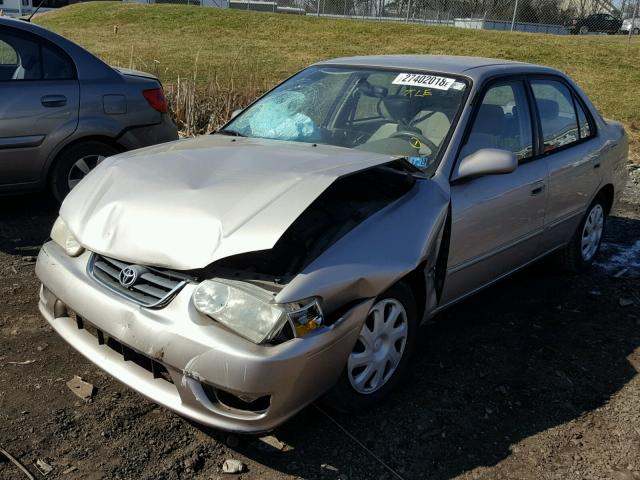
[423,80]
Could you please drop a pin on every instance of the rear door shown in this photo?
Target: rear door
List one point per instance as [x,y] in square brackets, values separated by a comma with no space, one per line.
[497,220]
[571,153]
[39,104]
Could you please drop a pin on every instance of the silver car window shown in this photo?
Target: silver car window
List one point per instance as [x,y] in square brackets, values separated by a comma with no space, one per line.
[557,114]
[502,121]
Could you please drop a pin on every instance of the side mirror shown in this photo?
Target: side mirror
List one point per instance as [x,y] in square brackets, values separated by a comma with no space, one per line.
[235,113]
[486,161]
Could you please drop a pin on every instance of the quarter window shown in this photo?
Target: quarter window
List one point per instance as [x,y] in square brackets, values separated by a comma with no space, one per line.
[557,114]
[503,121]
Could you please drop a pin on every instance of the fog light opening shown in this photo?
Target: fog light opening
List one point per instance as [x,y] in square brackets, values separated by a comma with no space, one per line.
[232,401]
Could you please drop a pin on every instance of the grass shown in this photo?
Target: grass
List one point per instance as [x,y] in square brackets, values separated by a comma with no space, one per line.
[230,56]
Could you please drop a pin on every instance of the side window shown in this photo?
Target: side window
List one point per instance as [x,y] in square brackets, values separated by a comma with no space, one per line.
[583,122]
[56,65]
[502,121]
[557,115]
[8,56]
[24,56]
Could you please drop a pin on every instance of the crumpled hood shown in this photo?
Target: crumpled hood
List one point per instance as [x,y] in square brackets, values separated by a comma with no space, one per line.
[186,204]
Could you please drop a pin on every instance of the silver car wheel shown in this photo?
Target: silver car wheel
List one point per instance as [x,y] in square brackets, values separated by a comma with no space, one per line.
[592,232]
[379,348]
[81,168]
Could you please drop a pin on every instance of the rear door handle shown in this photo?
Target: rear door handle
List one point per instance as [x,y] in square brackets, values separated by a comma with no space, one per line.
[538,188]
[53,101]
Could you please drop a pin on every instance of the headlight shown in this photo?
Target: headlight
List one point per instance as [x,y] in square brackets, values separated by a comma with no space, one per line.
[61,234]
[249,310]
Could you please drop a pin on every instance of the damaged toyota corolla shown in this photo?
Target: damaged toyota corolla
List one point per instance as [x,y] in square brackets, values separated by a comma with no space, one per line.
[236,277]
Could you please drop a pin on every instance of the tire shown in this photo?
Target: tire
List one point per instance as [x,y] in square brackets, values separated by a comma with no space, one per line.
[345,396]
[636,31]
[74,162]
[583,30]
[574,257]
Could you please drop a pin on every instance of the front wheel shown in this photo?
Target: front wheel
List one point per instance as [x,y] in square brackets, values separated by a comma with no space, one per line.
[636,31]
[580,252]
[584,30]
[75,162]
[381,354]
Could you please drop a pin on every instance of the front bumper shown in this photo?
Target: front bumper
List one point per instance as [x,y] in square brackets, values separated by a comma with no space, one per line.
[197,352]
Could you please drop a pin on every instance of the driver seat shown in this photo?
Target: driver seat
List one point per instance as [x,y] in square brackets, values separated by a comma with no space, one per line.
[433,125]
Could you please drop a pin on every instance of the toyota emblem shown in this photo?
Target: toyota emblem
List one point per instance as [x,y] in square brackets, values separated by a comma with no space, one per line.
[128,276]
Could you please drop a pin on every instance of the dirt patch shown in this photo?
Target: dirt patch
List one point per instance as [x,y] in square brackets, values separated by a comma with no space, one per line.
[534,378]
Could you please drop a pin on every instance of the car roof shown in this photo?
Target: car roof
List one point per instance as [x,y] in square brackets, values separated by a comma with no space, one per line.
[473,67]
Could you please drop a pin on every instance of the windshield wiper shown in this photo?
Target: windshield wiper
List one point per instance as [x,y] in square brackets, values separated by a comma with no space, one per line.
[231,133]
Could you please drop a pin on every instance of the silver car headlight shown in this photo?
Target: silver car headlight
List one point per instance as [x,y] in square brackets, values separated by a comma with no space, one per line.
[61,234]
[250,311]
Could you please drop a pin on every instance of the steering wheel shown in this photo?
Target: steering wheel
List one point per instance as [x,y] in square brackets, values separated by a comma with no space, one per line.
[412,136]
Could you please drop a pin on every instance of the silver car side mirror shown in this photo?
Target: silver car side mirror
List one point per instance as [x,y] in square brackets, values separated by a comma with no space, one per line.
[235,113]
[486,161]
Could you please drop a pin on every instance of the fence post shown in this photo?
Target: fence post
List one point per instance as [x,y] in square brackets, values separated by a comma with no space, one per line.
[408,10]
[633,21]
[515,10]
[318,13]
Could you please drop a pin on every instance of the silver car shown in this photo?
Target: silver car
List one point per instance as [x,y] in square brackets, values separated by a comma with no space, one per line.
[235,278]
[62,110]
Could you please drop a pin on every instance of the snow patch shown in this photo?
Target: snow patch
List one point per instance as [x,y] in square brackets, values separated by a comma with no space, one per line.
[616,257]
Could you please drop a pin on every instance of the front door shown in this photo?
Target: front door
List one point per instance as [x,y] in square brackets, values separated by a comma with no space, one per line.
[497,220]
[39,104]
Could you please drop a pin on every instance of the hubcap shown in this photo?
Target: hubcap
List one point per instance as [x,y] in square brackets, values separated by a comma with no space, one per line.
[592,232]
[81,168]
[379,348]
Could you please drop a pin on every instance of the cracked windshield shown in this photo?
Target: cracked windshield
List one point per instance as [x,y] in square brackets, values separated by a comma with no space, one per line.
[389,112]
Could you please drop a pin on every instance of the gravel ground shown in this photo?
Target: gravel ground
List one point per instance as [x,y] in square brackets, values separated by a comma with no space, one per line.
[535,378]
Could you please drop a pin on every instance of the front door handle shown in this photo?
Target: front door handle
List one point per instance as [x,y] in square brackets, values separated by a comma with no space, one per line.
[53,101]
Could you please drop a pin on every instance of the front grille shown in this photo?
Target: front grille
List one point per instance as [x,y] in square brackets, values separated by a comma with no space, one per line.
[154,287]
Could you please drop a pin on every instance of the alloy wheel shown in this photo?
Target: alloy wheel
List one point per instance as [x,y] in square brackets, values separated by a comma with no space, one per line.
[379,348]
[81,168]
[592,232]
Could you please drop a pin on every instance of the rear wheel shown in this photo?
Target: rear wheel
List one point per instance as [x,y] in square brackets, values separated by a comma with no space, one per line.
[584,30]
[584,245]
[381,354]
[636,31]
[75,162]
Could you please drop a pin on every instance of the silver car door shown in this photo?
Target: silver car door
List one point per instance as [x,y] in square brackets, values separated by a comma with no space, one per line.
[497,220]
[572,158]
[39,104]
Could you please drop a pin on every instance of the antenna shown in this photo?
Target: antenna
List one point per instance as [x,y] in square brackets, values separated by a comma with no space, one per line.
[35,11]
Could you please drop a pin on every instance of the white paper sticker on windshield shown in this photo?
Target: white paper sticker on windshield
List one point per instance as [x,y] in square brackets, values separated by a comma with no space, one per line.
[423,80]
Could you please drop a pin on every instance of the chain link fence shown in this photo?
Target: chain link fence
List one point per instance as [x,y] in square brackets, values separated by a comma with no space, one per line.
[561,17]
